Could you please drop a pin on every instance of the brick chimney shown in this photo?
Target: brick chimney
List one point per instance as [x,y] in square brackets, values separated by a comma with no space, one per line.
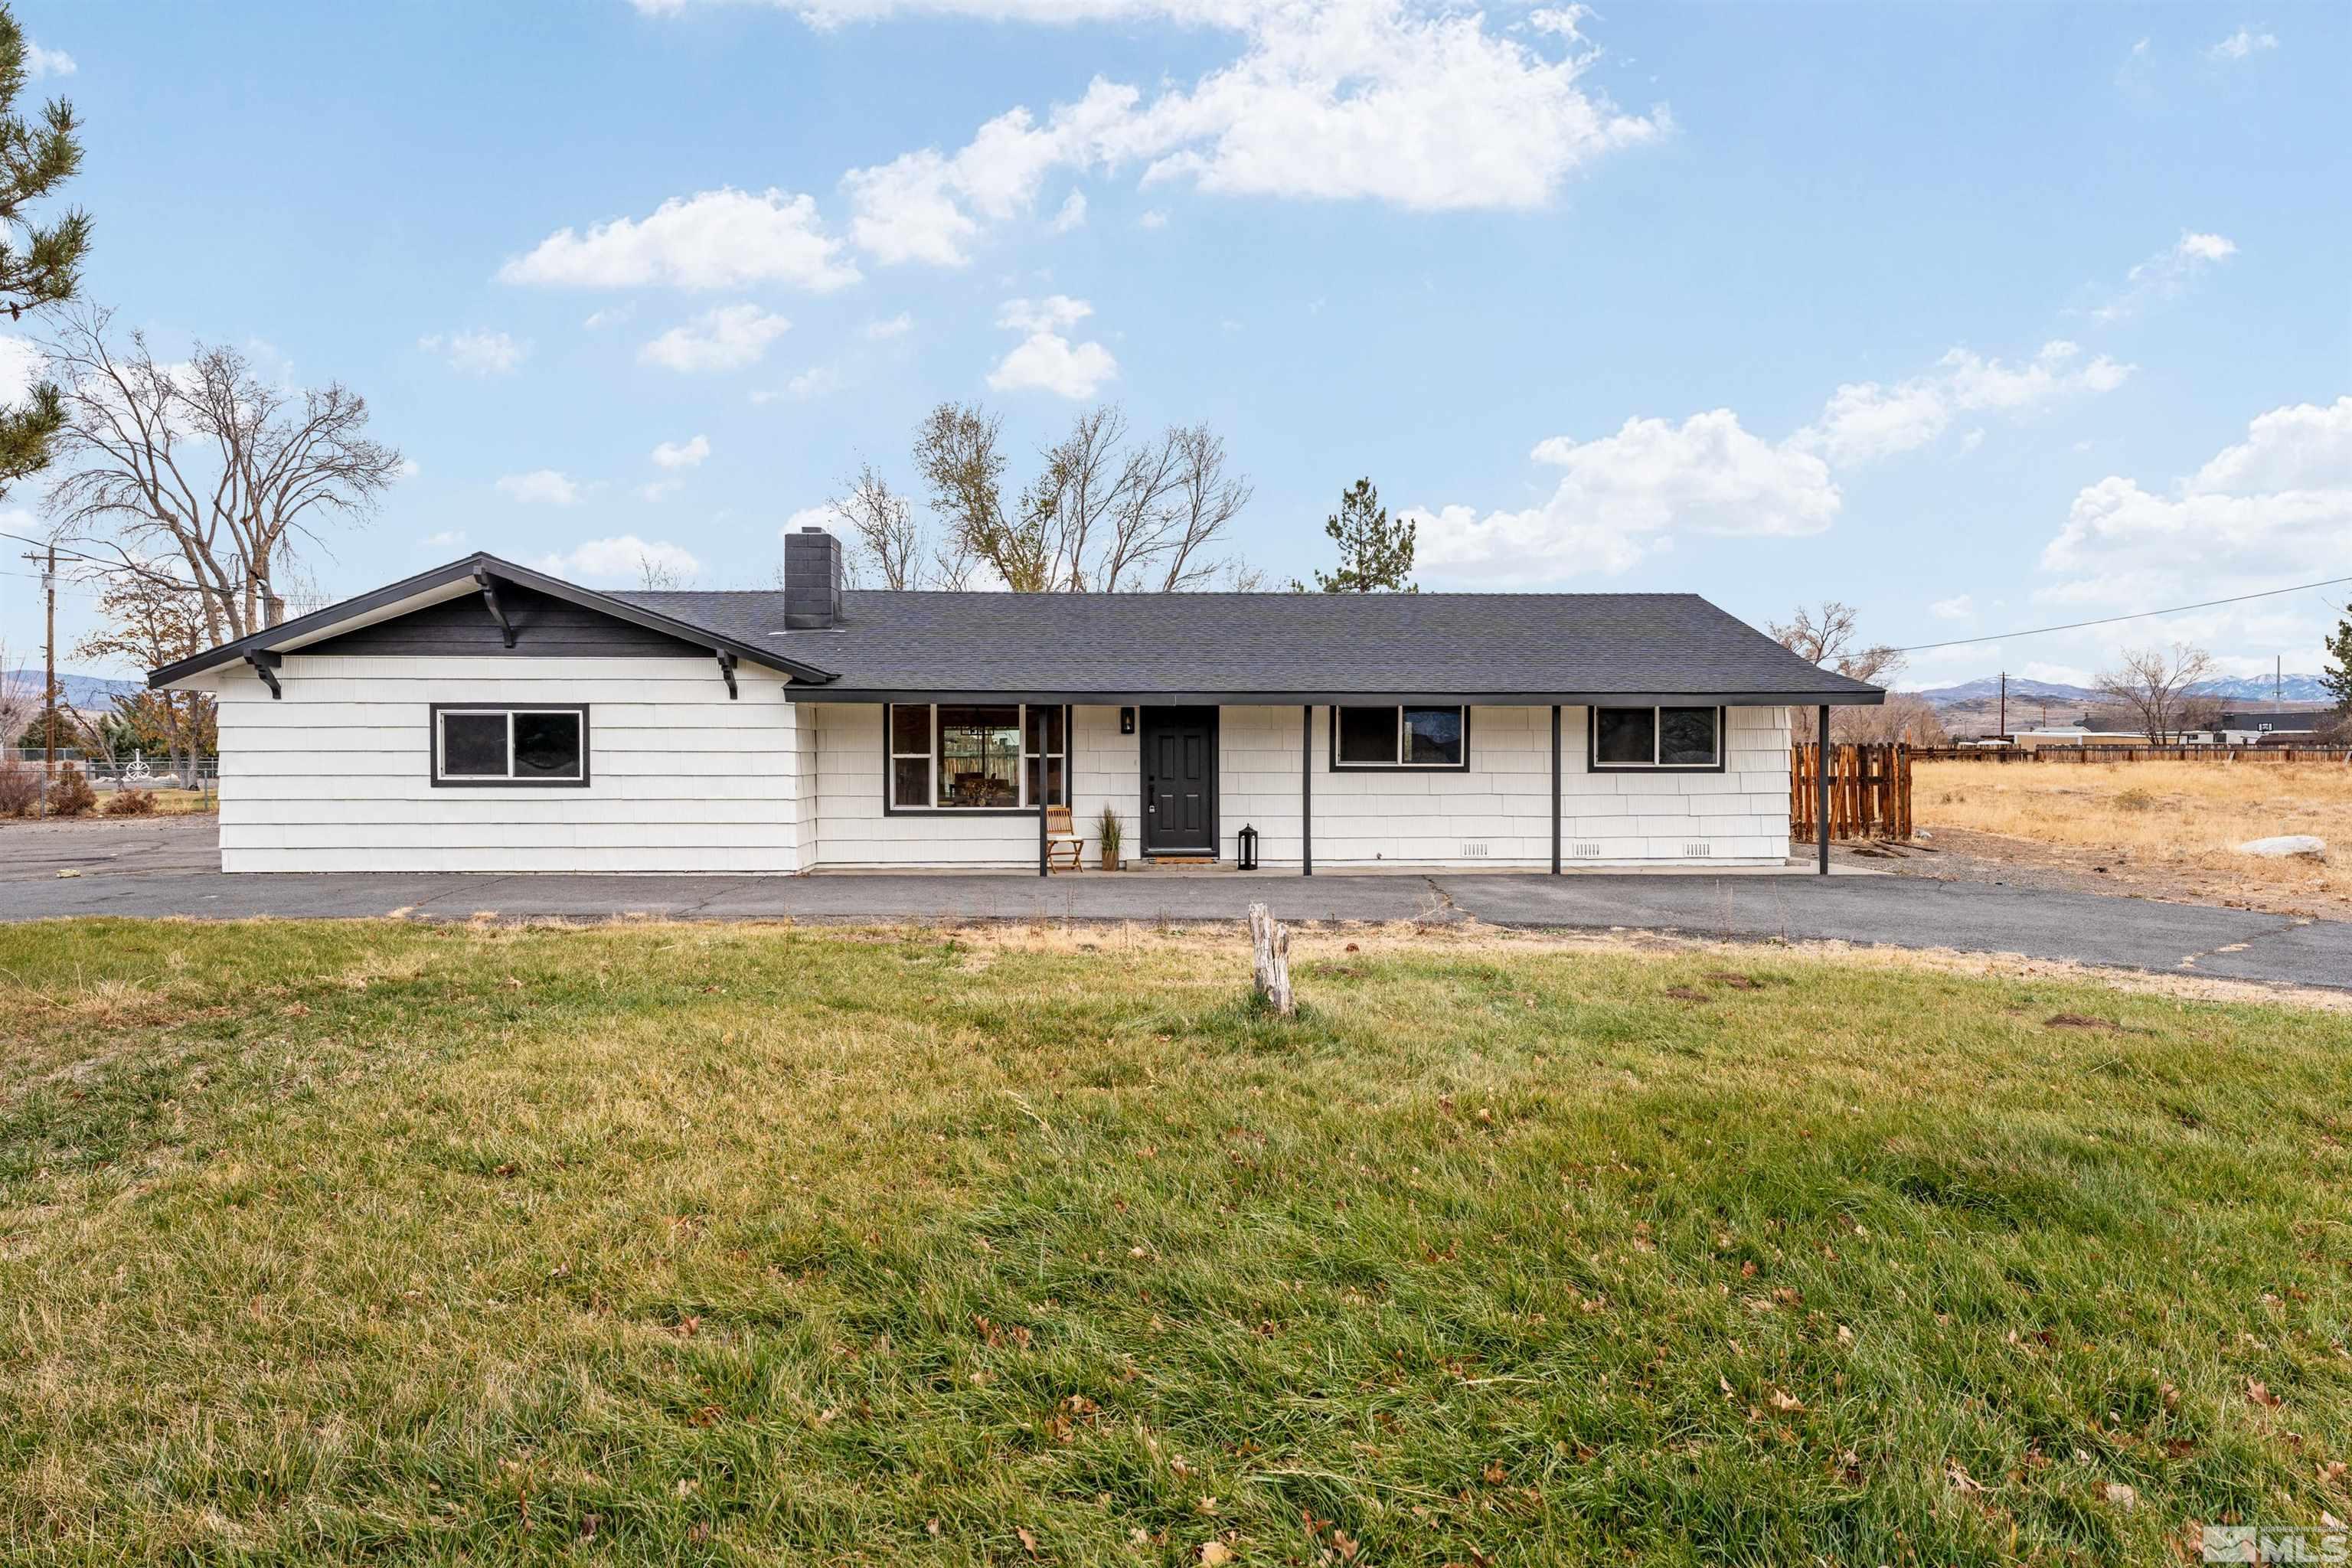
[812,581]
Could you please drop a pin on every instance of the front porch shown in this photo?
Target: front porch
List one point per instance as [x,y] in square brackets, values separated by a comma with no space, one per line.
[1420,785]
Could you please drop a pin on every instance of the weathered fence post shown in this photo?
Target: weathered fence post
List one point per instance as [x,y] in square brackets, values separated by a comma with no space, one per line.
[1270,960]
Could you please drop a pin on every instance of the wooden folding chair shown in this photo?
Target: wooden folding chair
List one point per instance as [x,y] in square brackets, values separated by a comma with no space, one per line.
[1062,839]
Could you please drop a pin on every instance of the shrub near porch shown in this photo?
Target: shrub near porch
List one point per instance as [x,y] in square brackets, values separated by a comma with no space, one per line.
[324,1242]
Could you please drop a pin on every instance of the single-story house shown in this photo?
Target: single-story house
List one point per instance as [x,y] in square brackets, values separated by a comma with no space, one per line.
[483,716]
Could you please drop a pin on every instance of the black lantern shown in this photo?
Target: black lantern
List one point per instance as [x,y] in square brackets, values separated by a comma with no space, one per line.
[1249,849]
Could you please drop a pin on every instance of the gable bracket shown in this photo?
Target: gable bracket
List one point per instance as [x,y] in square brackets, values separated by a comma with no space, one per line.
[727,669]
[265,665]
[489,586]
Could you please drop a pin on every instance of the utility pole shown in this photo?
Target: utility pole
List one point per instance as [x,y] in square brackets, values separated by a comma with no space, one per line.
[49,677]
[2004,704]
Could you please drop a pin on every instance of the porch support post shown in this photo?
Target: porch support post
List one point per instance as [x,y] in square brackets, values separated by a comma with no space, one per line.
[1044,867]
[1821,790]
[1307,790]
[1555,789]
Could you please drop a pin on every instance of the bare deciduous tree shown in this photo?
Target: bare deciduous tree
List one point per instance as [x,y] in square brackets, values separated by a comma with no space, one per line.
[151,621]
[884,538]
[2152,684]
[1105,513]
[20,700]
[1825,636]
[1905,716]
[207,465]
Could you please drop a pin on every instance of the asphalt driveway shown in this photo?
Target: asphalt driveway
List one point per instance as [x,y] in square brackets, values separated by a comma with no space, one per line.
[161,869]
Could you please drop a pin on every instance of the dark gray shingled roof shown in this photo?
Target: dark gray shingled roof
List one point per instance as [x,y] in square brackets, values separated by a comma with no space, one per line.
[1272,647]
[1170,647]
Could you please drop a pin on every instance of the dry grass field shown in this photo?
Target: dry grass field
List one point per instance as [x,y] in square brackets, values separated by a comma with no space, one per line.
[2164,829]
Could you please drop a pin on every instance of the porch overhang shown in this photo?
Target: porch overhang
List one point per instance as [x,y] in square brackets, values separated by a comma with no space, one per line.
[1282,699]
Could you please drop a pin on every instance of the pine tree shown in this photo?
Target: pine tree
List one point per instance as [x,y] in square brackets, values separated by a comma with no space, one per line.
[1375,553]
[2337,675]
[39,264]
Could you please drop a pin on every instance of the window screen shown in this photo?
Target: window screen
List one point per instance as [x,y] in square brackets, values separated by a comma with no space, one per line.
[1657,737]
[1687,737]
[510,745]
[1432,737]
[1625,735]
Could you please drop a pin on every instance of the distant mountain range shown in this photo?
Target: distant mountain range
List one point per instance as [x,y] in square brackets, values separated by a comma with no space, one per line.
[2236,688]
[78,691]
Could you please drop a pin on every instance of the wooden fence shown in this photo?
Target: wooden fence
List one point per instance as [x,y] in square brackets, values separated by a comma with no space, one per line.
[2081,754]
[1870,791]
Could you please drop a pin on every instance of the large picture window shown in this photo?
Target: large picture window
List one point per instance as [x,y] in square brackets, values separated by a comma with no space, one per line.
[481,744]
[1625,738]
[964,756]
[1399,737]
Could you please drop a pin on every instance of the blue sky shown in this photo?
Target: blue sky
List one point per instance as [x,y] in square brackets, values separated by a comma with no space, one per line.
[1974,315]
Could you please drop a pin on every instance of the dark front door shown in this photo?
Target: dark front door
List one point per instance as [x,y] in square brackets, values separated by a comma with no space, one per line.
[1179,780]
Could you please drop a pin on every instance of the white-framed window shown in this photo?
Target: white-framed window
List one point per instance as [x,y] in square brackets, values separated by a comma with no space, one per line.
[1418,738]
[1644,738]
[977,756]
[490,745]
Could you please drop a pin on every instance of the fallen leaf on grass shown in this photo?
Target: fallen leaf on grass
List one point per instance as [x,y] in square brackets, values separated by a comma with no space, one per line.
[1214,1553]
[2259,1392]
[1960,1478]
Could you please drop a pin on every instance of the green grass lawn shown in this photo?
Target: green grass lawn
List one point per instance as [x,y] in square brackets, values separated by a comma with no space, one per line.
[331,1243]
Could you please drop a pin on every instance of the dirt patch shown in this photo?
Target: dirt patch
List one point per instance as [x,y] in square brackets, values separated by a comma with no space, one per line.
[2148,830]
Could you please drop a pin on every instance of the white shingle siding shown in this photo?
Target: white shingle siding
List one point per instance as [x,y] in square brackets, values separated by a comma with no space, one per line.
[1504,799]
[337,776]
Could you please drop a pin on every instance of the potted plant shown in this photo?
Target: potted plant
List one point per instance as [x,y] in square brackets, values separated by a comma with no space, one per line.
[1112,832]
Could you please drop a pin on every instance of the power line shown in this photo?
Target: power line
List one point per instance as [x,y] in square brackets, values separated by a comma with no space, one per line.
[2134,615]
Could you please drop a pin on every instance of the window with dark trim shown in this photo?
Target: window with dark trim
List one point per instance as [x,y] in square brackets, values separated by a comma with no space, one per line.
[1416,738]
[1642,738]
[976,756]
[489,743]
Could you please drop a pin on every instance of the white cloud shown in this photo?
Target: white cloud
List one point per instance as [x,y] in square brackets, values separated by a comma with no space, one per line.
[1399,101]
[1073,213]
[1045,359]
[625,559]
[448,539]
[727,338]
[543,487]
[813,382]
[807,517]
[40,62]
[1050,315]
[1865,420]
[724,238]
[1959,608]
[2242,42]
[610,316]
[656,491]
[897,326]
[1155,218]
[1619,496]
[682,454]
[410,467]
[477,353]
[22,363]
[2165,276]
[2269,509]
